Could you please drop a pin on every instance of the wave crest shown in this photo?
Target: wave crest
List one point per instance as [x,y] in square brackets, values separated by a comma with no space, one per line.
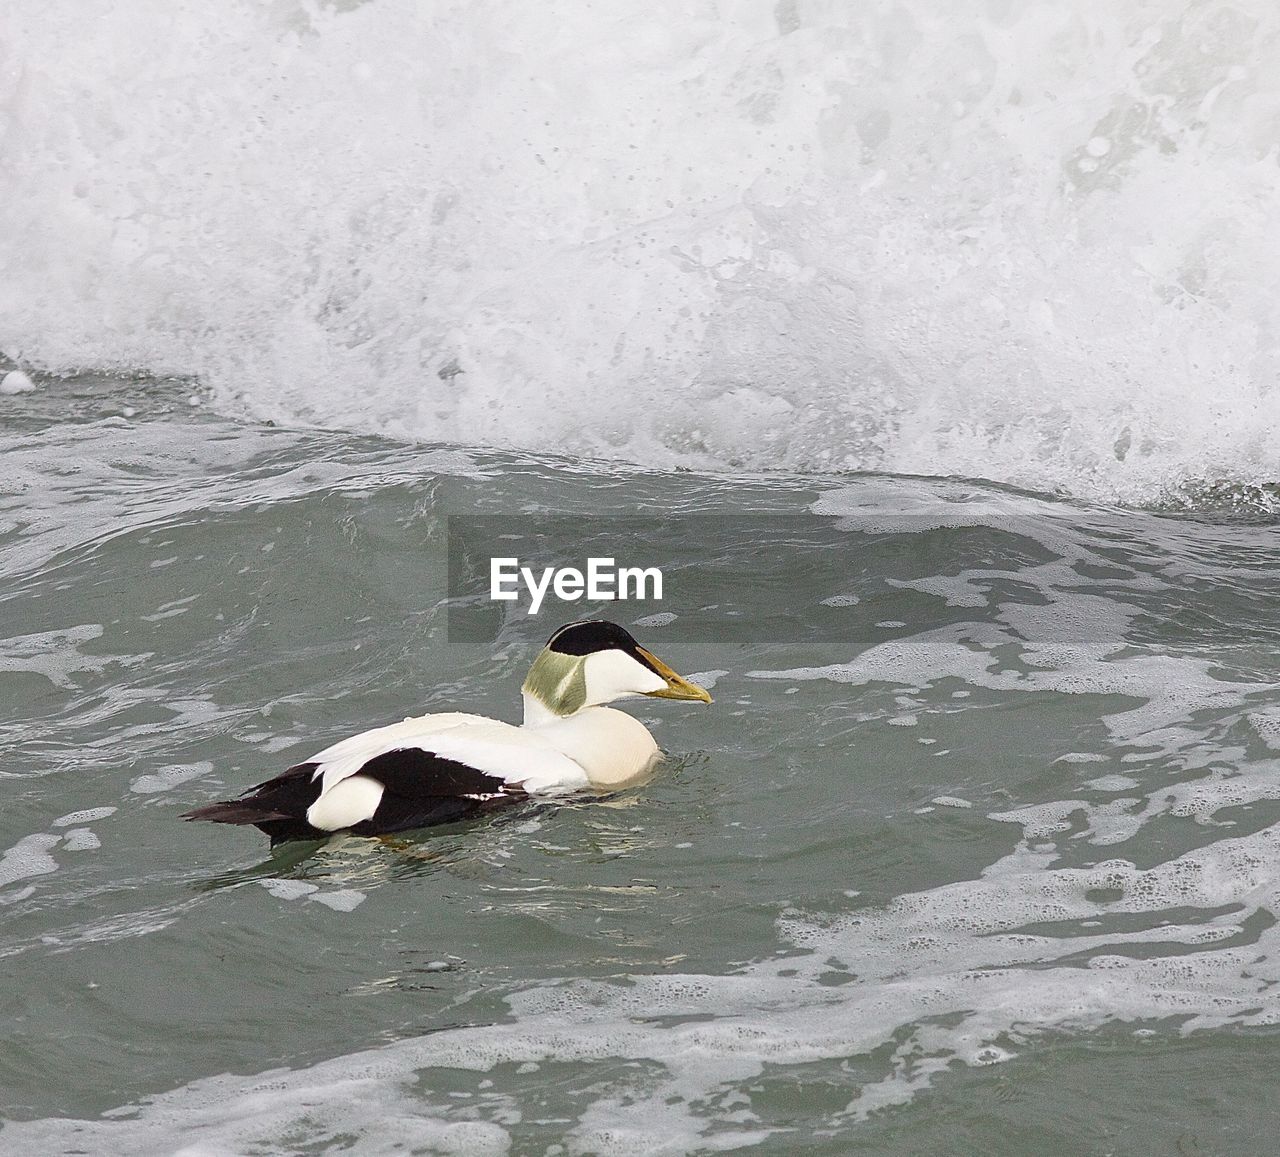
[1028,244]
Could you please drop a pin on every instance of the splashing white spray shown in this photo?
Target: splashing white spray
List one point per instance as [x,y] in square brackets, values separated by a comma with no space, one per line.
[1029,242]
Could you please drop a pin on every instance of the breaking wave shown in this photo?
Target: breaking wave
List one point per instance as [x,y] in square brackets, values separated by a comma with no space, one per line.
[1031,243]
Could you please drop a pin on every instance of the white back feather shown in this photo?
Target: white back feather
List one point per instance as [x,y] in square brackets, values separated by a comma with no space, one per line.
[515,755]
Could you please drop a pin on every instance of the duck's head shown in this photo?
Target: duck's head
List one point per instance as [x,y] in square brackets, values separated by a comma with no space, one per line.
[594,662]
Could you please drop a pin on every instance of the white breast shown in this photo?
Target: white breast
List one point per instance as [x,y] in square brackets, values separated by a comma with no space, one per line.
[611,747]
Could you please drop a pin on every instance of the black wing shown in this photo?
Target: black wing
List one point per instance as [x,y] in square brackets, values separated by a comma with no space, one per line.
[420,789]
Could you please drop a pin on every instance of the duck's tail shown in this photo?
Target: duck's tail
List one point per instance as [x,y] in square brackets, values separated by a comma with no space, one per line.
[235,811]
[277,807]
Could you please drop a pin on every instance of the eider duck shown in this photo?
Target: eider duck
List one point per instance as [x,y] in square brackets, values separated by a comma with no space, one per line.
[439,768]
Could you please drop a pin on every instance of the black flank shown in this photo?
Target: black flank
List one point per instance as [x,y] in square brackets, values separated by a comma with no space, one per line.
[414,773]
[420,789]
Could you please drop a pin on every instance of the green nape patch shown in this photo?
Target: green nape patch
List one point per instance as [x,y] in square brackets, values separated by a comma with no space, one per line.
[558,682]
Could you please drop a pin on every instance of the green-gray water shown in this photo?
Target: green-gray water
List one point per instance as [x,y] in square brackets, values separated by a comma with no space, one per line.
[977,850]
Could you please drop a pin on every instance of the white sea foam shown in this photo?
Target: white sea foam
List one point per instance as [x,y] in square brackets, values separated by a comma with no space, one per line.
[28,857]
[340,900]
[797,234]
[169,777]
[54,654]
[87,816]
[81,840]
[966,971]
[289,889]
[661,619]
[1071,647]
[1267,725]
[1111,783]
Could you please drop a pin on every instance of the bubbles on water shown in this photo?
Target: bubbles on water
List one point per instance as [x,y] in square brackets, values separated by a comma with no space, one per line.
[945,974]
[32,855]
[1071,644]
[1202,799]
[57,654]
[661,619]
[341,899]
[289,889]
[270,743]
[707,679]
[81,840]
[1267,725]
[1111,783]
[86,816]
[169,777]
[28,857]
[958,591]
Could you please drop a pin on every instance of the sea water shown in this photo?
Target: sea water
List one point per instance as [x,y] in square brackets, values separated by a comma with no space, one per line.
[930,356]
